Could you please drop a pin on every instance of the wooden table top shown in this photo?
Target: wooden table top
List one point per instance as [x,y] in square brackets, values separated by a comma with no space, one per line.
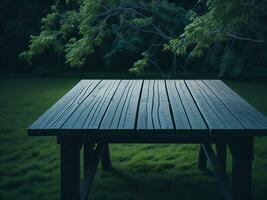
[151,107]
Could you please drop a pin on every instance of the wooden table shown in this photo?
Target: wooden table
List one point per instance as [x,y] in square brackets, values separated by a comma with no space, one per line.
[97,112]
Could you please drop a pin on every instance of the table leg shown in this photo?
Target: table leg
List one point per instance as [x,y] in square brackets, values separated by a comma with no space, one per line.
[105,158]
[92,154]
[88,150]
[202,159]
[221,150]
[70,170]
[242,153]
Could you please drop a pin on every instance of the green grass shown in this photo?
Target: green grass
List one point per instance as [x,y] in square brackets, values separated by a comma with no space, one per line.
[29,166]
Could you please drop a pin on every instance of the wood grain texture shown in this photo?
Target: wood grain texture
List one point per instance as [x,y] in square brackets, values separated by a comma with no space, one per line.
[192,111]
[182,108]
[154,111]
[122,111]
[91,111]
[246,114]
[218,118]
[61,105]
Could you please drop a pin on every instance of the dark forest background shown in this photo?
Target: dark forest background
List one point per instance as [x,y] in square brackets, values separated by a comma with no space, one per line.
[19,20]
[122,50]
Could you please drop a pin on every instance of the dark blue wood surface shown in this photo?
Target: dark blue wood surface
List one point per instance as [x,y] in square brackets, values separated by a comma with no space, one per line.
[151,108]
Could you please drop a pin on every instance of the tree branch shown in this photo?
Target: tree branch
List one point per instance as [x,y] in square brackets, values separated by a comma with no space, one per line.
[244,38]
[157,66]
[148,31]
[157,31]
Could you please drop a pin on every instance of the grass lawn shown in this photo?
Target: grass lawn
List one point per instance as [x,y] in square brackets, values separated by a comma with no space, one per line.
[29,166]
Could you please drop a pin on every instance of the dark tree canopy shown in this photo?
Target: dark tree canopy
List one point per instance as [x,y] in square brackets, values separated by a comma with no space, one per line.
[19,20]
[133,29]
[170,36]
[231,35]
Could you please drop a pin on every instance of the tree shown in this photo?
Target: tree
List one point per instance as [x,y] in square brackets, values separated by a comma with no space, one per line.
[76,29]
[231,35]
[225,36]
[18,20]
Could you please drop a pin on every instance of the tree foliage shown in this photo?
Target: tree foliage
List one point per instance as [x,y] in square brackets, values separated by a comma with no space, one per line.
[226,36]
[231,32]
[19,20]
[137,27]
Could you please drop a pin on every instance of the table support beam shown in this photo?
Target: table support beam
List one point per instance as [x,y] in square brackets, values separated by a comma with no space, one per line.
[242,157]
[221,151]
[88,149]
[70,170]
[92,154]
[218,171]
[105,158]
[202,159]
[72,188]
[242,154]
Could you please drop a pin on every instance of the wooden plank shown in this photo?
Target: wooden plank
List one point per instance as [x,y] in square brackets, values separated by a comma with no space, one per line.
[64,107]
[154,110]
[211,118]
[164,107]
[234,105]
[97,107]
[185,112]
[155,107]
[142,114]
[249,108]
[149,107]
[67,111]
[78,118]
[114,110]
[129,112]
[63,101]
[191,110]
[158,139]
[248,116]
[122,111]
[216,115]
[118,116]
[99,112]
[145,109]
[178,110]
[217,105]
